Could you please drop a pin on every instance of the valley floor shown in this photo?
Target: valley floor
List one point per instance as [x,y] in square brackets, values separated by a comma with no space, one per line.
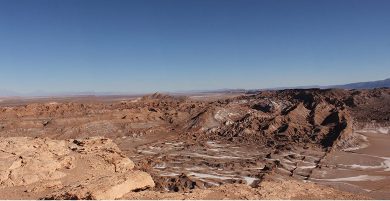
[289,144]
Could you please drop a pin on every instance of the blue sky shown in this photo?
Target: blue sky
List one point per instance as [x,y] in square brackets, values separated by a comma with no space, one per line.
[174,45]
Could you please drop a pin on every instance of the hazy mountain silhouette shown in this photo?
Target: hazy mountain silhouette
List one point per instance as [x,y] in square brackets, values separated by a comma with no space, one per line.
[363,85]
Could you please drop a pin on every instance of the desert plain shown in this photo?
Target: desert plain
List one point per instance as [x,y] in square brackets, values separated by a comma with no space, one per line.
[271,144]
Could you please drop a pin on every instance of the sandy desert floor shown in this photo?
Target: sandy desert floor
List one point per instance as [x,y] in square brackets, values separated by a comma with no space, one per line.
[364,170]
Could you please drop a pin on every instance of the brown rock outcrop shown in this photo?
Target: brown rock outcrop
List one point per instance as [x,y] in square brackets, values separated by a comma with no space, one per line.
[104,188]
[92,168]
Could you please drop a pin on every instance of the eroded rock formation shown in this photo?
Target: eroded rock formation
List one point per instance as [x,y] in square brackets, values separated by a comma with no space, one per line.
[92,168]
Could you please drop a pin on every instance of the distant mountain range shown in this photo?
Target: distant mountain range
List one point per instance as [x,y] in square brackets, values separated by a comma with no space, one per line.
[11,94]
[363,85]
[356,85]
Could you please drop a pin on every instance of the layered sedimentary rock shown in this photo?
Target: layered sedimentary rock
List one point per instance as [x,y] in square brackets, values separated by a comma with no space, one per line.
[185,143]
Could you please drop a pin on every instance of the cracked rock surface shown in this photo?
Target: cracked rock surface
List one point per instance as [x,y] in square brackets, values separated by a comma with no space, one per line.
[91,168]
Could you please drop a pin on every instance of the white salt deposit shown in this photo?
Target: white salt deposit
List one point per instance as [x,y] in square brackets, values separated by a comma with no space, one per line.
[146,152]
[215,150]
[215,157]
[250,180]
[170,174]
[160,166]
[195,168]
[220,115]
[135,100]
[383,130]
[211,176]
[364,167]
[374,129]
[356,178]
[362,146]
[307,167]
[386,163]
[213,144]
[152,147]
[174,144]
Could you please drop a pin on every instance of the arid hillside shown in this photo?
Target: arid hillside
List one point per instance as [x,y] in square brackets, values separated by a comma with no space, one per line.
[165,145]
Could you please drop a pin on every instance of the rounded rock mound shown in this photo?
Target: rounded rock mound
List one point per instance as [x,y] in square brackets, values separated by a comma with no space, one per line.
[91,168]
